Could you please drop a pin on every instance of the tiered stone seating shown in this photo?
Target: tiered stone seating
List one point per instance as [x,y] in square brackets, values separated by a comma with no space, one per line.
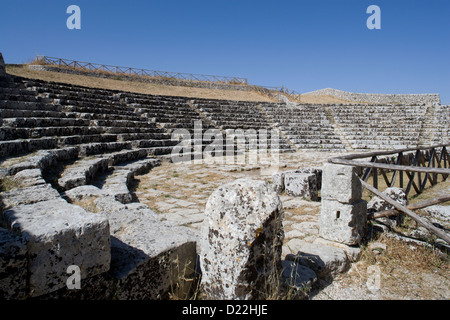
[81,135]
[61,143]
[122,127]
[306,126]
[238,115]
[380,126]
[174,114]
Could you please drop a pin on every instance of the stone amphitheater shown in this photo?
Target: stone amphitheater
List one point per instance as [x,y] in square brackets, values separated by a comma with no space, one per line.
[89,178]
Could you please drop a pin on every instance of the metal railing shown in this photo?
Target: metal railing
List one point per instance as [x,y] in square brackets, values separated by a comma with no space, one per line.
[88,66]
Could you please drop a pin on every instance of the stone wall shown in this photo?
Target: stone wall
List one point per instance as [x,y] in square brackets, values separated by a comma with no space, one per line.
[379,98]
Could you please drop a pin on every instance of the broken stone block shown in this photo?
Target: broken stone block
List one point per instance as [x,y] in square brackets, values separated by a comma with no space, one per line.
[278,182]
[58,235]
[241,240]
[301,185]
[340,183]
[377,204]
[149,257]
[344,223]
[314,170]
[298,277]
[13,266]
[322,259]
[353,252]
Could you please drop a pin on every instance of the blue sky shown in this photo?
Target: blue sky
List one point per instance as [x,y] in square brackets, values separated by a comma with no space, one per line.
[302,45]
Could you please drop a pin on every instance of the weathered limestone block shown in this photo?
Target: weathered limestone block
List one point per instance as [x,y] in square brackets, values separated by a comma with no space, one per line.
[29,178]
[13,266]
[298,277]
[344,223]
[322,259]
[82,172]
[316,171]
[148,256]
[57,235]
[301,185]
[340,183]
[241,240]
[116,186]
[44,159]
[377,204]
[2,66]
[29,195]
[83,193]
[278,182]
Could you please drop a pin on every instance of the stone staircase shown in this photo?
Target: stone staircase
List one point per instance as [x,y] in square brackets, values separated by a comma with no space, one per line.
[435,125]
[369,127]
[243,116]
[306,126]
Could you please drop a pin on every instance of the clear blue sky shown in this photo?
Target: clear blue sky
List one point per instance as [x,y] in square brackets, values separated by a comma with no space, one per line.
[303,45]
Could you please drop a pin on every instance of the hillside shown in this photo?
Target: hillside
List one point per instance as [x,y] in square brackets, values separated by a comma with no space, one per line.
[156,89]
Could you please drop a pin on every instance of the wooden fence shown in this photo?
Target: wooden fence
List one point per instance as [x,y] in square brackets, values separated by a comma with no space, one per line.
[44,60]
[427,164]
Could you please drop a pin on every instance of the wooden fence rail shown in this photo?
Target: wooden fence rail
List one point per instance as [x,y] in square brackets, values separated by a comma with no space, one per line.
[427,164]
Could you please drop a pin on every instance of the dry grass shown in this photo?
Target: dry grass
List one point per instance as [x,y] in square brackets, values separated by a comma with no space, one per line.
[137,87]
[405,265]
[147,88]
[88,204]
[8,183]
[321,99]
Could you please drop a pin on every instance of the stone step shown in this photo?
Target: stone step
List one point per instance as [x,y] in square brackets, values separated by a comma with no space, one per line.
[17,113]
[42,159]
[21,146]
[44,122]
[23,105]
[83,139]
[96,148]
[116,184]
[97,110]
[86,170]
[9,133]
[142,136]
[82,172]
